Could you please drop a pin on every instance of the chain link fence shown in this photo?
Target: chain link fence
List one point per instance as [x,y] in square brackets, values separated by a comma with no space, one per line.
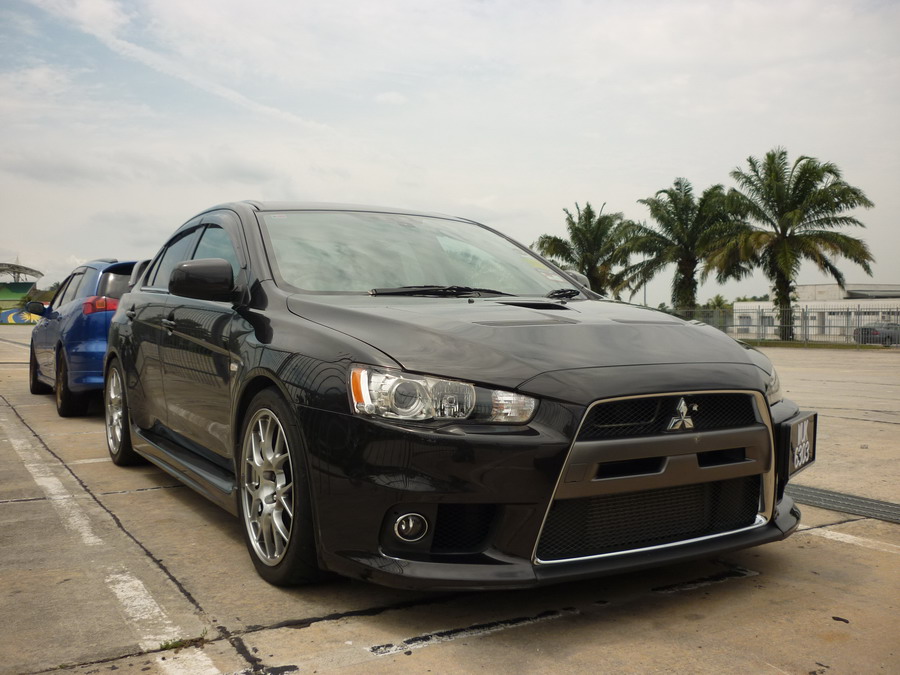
[862,324]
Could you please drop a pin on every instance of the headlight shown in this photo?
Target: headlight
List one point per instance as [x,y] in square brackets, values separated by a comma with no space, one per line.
[773,388]
[394,394]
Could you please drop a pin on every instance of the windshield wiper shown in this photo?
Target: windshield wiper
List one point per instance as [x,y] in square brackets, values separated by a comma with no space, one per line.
[441,291]
[564,293]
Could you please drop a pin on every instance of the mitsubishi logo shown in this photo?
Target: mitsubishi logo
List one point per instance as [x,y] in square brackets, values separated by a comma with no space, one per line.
[682,420]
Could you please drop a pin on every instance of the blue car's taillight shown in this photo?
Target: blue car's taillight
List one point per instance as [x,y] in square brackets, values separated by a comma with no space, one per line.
[99,303]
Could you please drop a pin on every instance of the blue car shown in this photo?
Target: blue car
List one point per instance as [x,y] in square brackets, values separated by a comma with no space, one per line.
[69,342]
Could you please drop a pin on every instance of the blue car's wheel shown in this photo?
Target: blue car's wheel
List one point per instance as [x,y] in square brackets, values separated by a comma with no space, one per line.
[35,386]
[68,403]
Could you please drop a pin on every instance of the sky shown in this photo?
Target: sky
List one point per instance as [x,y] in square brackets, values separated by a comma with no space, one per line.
[120,120]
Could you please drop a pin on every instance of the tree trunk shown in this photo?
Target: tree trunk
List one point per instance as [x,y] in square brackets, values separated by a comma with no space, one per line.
[595,280]
[684,293]
[782,301]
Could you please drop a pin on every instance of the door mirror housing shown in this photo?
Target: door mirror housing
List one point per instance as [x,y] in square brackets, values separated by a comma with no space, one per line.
[580,278]
[35,307]
[204,279]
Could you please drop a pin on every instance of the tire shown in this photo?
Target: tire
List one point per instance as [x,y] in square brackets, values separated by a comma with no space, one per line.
[118,426]
[35,386]
[68,403]
[273,494]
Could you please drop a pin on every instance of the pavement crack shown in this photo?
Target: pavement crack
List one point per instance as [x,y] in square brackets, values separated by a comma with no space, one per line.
[24,500]
[807,528]
[476,630]
[733,572]
[370,611]
[106,493]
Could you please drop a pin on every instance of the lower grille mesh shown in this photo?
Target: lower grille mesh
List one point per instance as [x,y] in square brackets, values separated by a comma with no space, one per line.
[462,528]
[578,528]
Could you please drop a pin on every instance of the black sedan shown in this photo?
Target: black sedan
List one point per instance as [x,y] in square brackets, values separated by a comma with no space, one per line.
[419,401]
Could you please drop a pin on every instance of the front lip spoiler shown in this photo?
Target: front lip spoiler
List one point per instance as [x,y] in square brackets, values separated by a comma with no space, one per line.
[437,576]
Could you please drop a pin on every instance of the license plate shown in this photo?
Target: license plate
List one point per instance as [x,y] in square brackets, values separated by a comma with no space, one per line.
[802,442]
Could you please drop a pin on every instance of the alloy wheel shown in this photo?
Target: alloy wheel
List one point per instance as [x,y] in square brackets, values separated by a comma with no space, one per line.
[267,488]
[115,419]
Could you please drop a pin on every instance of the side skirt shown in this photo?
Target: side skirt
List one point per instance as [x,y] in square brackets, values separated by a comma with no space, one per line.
[199,474]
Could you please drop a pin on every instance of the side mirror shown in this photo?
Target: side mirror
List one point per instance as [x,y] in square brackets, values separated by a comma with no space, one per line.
[205,279]
[580,278]
[35,307]
[136,272]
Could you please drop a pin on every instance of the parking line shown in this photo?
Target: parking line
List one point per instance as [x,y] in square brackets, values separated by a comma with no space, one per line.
[70,513]
[882,546]
[142,610]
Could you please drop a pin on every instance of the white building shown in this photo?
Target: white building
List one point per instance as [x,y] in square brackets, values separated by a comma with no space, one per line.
[821,312]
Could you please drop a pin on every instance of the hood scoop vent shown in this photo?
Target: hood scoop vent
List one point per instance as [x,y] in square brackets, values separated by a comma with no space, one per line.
[535,305]
[552,321]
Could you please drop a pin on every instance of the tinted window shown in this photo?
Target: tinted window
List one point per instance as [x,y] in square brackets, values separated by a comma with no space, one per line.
[215,243]
[113,284]
[88,283]
[177,251]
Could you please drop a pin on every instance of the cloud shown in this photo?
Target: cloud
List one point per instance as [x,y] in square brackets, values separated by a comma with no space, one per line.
[391,98]
[106,20]
[504,110]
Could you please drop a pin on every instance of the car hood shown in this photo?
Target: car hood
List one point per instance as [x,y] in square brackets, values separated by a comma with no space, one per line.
[507,341]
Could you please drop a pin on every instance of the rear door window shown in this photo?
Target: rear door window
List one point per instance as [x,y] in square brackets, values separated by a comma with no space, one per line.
[71,291]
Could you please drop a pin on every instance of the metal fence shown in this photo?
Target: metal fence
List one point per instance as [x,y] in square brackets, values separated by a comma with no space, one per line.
[822,324]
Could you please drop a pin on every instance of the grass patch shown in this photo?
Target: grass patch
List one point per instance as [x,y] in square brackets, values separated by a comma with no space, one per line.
[186,642]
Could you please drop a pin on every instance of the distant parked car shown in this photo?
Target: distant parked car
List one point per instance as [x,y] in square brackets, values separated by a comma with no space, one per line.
[69,341]
[879,333]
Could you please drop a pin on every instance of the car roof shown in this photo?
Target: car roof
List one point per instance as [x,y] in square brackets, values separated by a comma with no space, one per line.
[264,206]
[104,263]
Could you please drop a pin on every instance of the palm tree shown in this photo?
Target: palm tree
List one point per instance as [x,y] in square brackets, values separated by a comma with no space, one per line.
[594,248]
[792,213]
[717,302]
[687,231]
[717,311]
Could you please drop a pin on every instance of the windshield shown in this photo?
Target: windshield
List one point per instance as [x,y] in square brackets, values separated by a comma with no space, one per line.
[356,252]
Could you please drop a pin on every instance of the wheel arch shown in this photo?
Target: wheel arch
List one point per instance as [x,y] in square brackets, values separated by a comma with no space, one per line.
[256,383]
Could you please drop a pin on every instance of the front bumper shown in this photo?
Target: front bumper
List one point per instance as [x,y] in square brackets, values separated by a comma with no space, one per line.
[502,481]
[510,573]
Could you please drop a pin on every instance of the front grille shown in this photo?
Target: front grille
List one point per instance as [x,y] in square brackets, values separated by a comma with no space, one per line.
[651,415]
[590,526]
[462,528]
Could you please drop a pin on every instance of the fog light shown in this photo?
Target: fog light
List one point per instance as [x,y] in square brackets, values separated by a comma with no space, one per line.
[410,527]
